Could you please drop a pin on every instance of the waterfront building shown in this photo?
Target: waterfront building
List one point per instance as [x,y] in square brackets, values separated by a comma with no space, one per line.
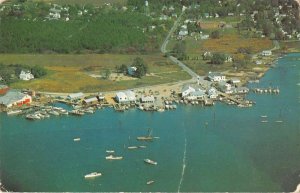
[192,92]
[75,96]
[15,98]
[90,101]
[212,93]
[216,77]
[234,81]
[147,99]
[3,89]
[225,87]
[26,75]
[125,97]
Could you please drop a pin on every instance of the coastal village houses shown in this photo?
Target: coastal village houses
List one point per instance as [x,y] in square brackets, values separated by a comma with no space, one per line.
[15,98]
[125,97]
[212,93]
[266,53]
[26,75]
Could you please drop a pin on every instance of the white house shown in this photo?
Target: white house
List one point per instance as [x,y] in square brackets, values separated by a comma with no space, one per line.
[183,32]
[125,97]
[192,92]
[212,93]
[131,70]
[266,53]
[216,77]
[26,75]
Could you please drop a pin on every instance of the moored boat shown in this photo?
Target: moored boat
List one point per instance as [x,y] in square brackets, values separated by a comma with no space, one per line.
[15,112]
[110,151]
[150,182]
[111,157]
[149,161]
[93,175]
[132,147]
[76,139]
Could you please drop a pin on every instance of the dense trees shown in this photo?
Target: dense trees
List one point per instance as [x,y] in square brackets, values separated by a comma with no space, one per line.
[218,58]
[108,31]
[142,68]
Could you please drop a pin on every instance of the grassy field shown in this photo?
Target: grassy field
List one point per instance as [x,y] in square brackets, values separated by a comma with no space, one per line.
[68,73]
[291,46]
[83,2]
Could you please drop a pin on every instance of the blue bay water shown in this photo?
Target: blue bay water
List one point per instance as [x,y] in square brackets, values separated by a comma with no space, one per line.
[224,148]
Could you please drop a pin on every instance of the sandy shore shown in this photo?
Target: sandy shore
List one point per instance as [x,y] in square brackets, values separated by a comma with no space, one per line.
[1,1]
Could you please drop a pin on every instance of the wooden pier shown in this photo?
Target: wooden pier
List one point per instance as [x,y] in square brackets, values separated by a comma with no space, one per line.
[238,102]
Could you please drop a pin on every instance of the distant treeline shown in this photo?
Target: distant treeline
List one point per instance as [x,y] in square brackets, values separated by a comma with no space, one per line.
[108,32]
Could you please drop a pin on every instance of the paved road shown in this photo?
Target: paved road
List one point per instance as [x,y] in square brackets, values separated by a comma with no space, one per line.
[163,49]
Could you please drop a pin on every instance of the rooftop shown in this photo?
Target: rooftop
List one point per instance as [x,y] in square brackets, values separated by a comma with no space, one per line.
[11,97]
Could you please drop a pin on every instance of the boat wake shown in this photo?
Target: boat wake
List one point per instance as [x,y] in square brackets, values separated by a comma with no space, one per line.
[183,166]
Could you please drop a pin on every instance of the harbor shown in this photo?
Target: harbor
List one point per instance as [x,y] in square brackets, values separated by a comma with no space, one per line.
[204,139]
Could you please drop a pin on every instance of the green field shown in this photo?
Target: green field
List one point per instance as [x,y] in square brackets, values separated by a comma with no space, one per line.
[67,73]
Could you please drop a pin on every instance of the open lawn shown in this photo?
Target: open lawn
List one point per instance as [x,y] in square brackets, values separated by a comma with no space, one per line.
[69,73]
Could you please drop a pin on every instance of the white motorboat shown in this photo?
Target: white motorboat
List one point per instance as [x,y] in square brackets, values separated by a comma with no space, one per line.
[93,175]
[150,182]
[110,151]
[15,112]
[111,157]
[76,139]
[149,161]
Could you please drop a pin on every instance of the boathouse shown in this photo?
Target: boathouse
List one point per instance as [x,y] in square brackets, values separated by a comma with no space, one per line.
[15,98]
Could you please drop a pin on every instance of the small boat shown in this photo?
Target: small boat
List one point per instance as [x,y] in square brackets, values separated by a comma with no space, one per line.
[76,139]
[263,116]
[16,112]
[142,146]
[279,121]
[93,175]
[32,117]
[111,157]
[148,161]
[150,182]
[54,113]
[146,138]
[161,110]
[110,151]
[132,147]
[264,121]
[76,112]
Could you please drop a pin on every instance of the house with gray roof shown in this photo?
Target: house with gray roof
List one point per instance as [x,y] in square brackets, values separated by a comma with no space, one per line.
[14,98]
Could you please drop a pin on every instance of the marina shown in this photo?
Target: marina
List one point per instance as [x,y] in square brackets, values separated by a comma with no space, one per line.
[212,135]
